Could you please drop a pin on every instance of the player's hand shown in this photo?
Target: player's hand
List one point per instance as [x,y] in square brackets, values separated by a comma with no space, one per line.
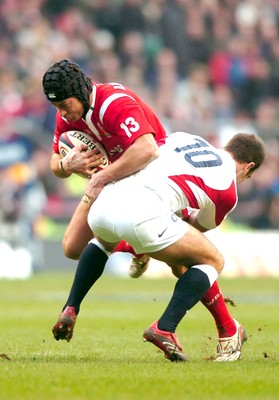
[94,187]
[82,161]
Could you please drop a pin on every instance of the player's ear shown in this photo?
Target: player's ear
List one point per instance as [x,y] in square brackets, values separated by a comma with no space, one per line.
[249,168]
[251,165]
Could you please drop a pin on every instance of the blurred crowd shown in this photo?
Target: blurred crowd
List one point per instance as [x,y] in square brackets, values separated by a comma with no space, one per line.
[209,67]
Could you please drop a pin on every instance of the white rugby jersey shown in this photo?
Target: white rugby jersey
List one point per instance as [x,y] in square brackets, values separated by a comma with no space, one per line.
[192,172]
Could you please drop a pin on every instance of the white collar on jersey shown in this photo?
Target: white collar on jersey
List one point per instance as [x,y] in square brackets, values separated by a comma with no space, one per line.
[89,115]
[94,98]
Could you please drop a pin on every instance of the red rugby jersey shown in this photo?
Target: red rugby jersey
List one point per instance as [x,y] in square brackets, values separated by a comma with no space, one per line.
[117,117]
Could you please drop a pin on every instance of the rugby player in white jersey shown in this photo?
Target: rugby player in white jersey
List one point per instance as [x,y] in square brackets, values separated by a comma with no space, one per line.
[140,209]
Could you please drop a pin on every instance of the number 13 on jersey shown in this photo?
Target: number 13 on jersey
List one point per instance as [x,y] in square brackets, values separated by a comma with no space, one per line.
[130,126]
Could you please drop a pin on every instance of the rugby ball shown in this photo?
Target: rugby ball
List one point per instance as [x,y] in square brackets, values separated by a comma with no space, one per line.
[69,140]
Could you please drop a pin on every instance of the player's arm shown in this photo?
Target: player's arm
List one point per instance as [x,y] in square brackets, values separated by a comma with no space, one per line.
[194,217]
[143,150]
[56,168]
[193,220]
[189,215]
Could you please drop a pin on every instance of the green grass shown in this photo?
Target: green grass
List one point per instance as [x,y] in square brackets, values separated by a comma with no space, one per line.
[107,359]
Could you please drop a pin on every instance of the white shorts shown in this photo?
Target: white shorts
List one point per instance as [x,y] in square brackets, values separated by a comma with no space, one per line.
[136,214]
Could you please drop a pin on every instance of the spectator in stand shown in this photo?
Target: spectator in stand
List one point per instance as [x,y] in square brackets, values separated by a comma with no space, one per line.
[22,195]
[266,119]
[166,83]
[273,206]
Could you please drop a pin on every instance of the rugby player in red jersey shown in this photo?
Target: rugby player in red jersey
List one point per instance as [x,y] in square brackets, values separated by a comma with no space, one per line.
[129,131]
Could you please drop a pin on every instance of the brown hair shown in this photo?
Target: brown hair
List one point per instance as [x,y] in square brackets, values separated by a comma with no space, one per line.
[247,147]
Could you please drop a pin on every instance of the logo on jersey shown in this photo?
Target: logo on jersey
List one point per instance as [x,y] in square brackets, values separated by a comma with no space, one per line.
[116,150]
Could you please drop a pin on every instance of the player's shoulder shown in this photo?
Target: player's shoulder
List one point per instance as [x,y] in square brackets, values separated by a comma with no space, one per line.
[110,88]
[113,97]
[191,141]
[184,139]
[113,89]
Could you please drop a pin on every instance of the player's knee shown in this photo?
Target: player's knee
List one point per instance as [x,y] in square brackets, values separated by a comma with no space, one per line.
[219,262]
[71,251]
[178,270]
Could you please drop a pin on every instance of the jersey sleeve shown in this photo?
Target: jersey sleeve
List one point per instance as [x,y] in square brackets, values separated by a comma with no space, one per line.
[216,211]
[207,217]
[60,127]
[55,141]
[126,118]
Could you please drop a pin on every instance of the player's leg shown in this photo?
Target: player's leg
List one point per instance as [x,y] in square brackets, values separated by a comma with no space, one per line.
[205,263]
[78,244]
[139,262]
[90,267]
[78,233]
[231,334]
[214,301]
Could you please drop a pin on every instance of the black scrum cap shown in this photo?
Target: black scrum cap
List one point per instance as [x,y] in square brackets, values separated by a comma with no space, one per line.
[66,79]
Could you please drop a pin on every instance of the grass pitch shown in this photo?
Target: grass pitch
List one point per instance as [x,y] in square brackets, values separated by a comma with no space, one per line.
[107,359]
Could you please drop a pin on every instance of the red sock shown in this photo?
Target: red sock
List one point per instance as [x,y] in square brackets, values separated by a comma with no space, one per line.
[214,301]
[125,247]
